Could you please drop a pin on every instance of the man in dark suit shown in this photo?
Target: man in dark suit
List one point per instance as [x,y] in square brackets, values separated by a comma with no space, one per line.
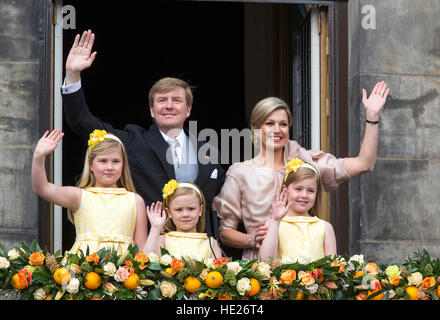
[151,162]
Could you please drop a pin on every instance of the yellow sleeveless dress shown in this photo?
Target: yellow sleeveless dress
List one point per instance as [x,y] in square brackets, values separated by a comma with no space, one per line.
[301,239]
[188,244]
[105,218]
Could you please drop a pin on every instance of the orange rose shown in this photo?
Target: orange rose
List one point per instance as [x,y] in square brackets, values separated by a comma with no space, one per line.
[307,278]
[93,258]
[395,280]
[177,265]
[337,263]
[427,283]
[224,296]
[36,259]
[358,273]
[288,276]
[361,296]
[371,268]
[142,258]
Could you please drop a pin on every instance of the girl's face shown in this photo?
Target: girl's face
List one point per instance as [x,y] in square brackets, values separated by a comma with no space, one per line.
[185,211]
[107,168]
[302,195]
[275,130]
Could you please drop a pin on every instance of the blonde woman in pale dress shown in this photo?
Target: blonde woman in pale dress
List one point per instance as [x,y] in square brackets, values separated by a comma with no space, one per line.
[104,206]
[295,231]
[178,224]
[250,186]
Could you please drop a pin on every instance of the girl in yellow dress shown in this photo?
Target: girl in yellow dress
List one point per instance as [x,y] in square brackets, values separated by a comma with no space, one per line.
[179,227]
[103,206]
[294,231]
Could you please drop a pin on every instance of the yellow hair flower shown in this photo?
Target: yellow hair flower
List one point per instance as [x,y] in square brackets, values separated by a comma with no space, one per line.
[293,165]
[169,188]
[96,136]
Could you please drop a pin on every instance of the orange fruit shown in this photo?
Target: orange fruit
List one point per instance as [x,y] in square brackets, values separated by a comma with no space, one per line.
[18,283]
[132,281]
[438,291]
[299,296]
[95,298]
[61,276]
[378,297]
[359,273]
[255,287]
[413,293]
[214,279]
[92,280]
[191,284]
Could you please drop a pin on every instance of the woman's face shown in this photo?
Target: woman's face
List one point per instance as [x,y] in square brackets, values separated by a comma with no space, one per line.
[302,195]
[185,211]
[275,131]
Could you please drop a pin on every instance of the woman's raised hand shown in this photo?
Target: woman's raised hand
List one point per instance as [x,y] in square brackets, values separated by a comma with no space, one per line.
[48,142]
[156,215]
[374,103]
[280,207]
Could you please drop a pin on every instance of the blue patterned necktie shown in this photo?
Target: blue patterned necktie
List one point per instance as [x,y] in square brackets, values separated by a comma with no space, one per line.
[174,143]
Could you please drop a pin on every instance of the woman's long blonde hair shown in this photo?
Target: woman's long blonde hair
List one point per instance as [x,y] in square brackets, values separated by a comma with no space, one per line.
[87,178]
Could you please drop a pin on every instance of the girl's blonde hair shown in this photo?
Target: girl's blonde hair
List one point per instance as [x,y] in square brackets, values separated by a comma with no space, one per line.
[306,173]
[87,178]
[264,108]
[181,190]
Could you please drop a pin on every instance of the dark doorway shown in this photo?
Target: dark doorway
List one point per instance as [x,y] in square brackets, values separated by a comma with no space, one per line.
[203,43]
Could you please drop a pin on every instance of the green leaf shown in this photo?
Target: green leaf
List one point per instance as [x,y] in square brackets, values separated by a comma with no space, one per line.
[155,266]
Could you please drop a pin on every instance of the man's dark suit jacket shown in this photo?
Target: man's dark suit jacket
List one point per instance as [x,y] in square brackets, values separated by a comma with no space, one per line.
[146,151]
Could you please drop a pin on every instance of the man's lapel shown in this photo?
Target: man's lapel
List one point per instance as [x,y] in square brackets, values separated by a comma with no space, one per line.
[160,147]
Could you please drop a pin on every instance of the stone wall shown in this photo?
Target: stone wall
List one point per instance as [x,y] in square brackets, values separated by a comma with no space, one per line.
[21,42]
[396,209]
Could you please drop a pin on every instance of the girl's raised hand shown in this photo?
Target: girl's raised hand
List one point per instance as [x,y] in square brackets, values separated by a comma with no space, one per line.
[156,215]
[280,207]
[48,142]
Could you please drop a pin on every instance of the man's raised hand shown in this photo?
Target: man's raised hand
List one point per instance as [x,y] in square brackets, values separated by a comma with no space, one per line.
[80,56]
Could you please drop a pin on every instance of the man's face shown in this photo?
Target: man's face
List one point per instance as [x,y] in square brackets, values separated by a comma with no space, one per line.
[170,109]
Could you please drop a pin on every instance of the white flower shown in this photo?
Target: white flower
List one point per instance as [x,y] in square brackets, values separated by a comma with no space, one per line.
[4,263]
[109,269]
[359,258]
[287,260]
[313,288]
[243,285]
[166,259]
[153,257]
[264,269]
[168,289]
[73,286]
[64,261]
[40,294]
[234,267]
[13,254]
[303,259]
[209,262]
[415,279]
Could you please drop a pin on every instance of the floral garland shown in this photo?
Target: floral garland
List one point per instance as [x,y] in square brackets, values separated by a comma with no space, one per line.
[104,275]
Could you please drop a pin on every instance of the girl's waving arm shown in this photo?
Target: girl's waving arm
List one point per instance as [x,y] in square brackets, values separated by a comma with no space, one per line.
[67,197]
[280,207]
[329,240]
[157,218]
